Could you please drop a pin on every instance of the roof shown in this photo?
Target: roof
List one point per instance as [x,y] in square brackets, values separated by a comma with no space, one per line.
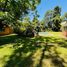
[64,23]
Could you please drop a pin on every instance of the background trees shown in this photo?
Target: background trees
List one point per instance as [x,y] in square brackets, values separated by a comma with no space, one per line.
[64,17]
[56,18]
[13,10]
[52,18]
[48,18]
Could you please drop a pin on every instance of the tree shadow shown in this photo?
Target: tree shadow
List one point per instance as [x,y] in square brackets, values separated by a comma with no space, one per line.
[8,39]
[25,47]
[60,41]
[56,59]
[22,47]
[43,55]
[41,58]
[57,62]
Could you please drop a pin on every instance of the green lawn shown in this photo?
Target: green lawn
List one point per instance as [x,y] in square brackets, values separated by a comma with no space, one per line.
[17,51]
[53,34]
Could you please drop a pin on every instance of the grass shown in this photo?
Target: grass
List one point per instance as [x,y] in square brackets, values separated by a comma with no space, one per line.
[16,51]
[49,34]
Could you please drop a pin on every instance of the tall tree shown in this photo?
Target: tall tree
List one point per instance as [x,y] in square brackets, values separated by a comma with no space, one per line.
[35,20]
[48,18]
[57,11]
[56,18]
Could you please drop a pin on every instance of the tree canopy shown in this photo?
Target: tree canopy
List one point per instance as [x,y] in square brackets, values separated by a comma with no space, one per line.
[15,9]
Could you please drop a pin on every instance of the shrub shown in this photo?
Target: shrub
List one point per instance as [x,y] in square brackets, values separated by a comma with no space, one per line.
[27,32]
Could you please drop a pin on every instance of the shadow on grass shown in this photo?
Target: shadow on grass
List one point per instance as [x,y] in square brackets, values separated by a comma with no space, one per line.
[24,48]
[8,39]
[60,41]
[12,39]
[57,60]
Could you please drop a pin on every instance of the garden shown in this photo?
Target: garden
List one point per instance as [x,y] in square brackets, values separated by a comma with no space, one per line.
[30,37]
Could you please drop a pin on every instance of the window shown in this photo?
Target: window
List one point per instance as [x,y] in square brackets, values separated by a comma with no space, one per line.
[65,28]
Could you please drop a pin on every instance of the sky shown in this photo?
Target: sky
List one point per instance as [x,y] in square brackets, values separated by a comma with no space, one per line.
[46,5]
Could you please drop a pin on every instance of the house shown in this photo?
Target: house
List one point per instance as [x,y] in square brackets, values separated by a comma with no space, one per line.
[64,27]
[5,29]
